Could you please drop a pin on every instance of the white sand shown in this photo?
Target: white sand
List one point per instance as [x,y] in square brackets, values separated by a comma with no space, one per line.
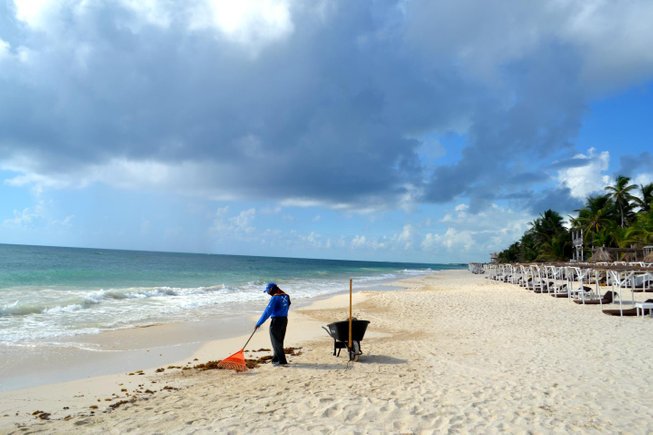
[454,352]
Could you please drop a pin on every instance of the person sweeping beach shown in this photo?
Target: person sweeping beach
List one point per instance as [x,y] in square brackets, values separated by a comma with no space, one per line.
[277,310]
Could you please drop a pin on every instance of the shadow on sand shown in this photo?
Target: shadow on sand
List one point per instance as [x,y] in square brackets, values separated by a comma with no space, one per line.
[314,366]
[382,359]
[364,359]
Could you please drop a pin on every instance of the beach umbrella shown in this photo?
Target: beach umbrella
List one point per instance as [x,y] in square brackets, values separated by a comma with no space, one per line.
[600,255]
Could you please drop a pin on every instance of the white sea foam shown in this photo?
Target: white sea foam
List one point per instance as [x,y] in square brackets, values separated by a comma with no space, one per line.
[46,315]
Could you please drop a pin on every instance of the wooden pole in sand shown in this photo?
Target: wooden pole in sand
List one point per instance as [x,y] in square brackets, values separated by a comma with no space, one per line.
[350,309]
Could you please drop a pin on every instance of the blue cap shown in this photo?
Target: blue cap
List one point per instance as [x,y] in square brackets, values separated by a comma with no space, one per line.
[269,287]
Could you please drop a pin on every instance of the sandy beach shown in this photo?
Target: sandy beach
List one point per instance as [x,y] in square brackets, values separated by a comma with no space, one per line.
[452,352]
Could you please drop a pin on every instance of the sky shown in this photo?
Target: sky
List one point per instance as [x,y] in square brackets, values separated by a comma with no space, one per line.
[408,130]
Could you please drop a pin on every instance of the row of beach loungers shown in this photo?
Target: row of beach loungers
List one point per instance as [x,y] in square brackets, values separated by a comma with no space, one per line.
[605,284]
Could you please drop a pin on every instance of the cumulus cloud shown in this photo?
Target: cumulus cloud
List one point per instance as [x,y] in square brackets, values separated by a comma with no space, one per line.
[252,23]
[643,179]
[452,238]
[590,177]
[464,232]
[35,13]
[25,216]
[4,49]
[612,39]
[238,225]
[315,240]
[330,104]
[38,215]
[358,241]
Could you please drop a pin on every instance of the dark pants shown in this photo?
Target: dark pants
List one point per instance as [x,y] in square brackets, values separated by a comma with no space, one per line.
[277,335]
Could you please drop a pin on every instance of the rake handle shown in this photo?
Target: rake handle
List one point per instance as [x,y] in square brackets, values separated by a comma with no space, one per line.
[250,337]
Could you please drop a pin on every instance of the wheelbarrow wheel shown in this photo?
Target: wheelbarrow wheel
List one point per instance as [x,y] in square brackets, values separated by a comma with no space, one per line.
[355,351]
[353,356]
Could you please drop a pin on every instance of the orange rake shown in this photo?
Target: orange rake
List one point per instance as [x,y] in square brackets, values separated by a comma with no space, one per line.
[237,360]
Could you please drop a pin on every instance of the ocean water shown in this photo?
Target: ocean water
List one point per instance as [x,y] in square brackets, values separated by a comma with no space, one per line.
[49,294]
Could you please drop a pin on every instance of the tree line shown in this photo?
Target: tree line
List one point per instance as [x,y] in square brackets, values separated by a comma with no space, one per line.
[619,218]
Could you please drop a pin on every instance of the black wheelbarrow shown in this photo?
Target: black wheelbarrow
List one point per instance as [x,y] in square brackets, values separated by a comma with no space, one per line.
[339,331]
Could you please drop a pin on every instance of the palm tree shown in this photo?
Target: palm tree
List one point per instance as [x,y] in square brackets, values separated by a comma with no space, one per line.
[647,197]
[621,195]
[607,220]
[511,254]
[641,231]
[550,237]
[574,222]
[596,218]
[527,247]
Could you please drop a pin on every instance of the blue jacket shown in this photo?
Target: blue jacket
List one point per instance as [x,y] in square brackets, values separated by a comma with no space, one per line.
[277,307]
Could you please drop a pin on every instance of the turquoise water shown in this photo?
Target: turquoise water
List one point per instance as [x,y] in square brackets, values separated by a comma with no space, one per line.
[48,293]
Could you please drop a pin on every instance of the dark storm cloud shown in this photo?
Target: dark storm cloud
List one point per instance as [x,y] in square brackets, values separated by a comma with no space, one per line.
[324,114]
[574,162]
[534,123]
[526,178]
[559,200]
[630,165]
[332,112]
